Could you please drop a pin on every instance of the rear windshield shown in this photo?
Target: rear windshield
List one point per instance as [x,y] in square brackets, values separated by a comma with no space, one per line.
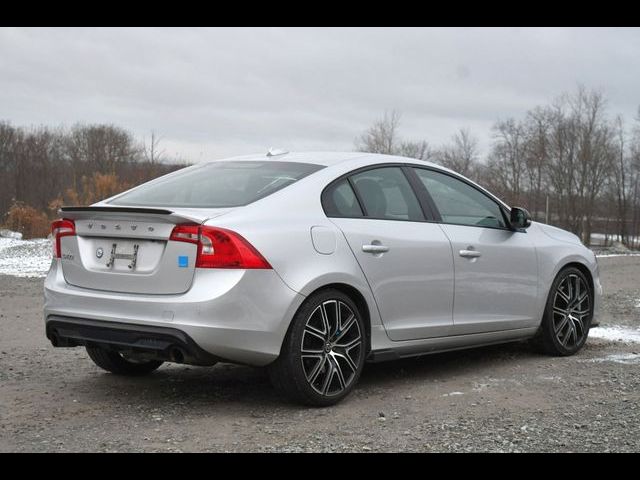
[217,184]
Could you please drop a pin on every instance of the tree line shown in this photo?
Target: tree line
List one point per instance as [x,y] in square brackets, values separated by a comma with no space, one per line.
[42,168]
[569,163]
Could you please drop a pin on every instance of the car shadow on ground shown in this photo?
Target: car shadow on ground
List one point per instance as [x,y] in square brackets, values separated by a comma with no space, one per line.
[482,360]
[227,384]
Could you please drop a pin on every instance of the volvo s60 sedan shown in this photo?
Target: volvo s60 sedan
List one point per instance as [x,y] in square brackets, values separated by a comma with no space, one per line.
[311,264]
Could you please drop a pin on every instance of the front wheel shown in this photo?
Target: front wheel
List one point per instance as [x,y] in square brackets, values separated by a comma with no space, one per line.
[568,313]
[323,354]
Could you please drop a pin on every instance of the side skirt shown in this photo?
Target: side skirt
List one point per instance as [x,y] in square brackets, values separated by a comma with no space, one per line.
[390,350]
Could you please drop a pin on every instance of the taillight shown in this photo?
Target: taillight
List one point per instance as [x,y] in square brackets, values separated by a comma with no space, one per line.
[185,233]
[219,247]
[61,228]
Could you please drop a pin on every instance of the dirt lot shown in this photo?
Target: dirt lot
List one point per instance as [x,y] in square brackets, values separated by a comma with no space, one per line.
[504,398]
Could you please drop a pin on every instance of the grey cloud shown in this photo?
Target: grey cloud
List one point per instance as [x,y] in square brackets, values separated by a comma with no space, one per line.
[218,92]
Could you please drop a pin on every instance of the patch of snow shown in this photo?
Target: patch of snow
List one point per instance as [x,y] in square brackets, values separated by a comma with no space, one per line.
[600,237]
[25,258]
[452,393]
[615,237]
[10,234]
[551,378]
[479,387]
[616,334]
[626,358]
[606,255]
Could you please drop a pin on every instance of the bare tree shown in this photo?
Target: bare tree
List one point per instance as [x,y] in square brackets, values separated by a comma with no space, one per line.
[382,136]
[634,183]
[8,165]
[99,148]
[569,153]
[596,154]
[420,150]
[152,153]
[507,159]
[537,124]
[461,154]
[39,167]
[619,178]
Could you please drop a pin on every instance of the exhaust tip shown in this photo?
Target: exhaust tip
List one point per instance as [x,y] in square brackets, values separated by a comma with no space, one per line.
[176,355]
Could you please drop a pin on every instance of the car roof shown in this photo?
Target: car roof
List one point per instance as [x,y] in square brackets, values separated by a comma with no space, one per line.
[351,159]
[325,158]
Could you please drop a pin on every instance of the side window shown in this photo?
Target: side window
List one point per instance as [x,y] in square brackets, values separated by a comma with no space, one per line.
[339,201]
[460,203]
[386,194]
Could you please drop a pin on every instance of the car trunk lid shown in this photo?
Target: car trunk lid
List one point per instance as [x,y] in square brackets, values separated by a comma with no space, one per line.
[128,249]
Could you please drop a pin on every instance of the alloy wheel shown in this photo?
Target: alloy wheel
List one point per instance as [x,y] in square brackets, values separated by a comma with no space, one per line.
[571,311]
[331,347]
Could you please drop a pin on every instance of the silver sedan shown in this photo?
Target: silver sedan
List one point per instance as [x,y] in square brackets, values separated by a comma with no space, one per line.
[311,264]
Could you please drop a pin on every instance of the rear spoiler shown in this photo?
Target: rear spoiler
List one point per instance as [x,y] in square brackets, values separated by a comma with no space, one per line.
[129,213]
[157,211]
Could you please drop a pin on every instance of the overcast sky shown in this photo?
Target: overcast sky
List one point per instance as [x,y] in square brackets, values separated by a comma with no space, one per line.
[212,93]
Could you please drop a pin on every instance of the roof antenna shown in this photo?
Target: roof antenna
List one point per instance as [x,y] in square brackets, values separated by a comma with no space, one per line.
[276,151]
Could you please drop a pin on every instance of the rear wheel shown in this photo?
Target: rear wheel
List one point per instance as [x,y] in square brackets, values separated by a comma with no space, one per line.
[116,362]
[568,314]
[323,354]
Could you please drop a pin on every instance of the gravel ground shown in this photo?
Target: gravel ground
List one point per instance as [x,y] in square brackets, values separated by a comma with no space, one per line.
[499,399]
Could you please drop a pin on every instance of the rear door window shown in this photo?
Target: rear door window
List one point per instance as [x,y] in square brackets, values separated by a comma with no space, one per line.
[386,194]
[339,200]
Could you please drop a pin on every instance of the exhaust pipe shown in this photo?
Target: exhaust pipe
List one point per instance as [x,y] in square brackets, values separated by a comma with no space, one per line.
[176,355]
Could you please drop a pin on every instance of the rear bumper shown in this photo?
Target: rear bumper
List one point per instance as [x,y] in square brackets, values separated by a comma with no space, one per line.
[239,316]
[162,343]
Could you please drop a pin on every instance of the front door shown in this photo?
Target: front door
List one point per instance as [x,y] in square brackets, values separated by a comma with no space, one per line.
[495,267]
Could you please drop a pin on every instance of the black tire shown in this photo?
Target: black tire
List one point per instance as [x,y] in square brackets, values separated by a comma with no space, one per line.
[114,362]
[299,376]
[555,336]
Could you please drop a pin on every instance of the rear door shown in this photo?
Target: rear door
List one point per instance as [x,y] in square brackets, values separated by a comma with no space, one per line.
[496,269]
[406,260]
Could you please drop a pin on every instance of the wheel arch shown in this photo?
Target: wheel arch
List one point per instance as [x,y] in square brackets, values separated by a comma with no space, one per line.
[567,261]
[354,294]
[583,268]
[549,271]
[544,338]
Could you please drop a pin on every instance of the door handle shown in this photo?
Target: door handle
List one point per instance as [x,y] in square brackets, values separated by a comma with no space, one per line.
[470,253]
[375,248]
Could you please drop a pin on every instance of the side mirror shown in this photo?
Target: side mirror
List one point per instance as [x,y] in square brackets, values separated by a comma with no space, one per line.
[520,218]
